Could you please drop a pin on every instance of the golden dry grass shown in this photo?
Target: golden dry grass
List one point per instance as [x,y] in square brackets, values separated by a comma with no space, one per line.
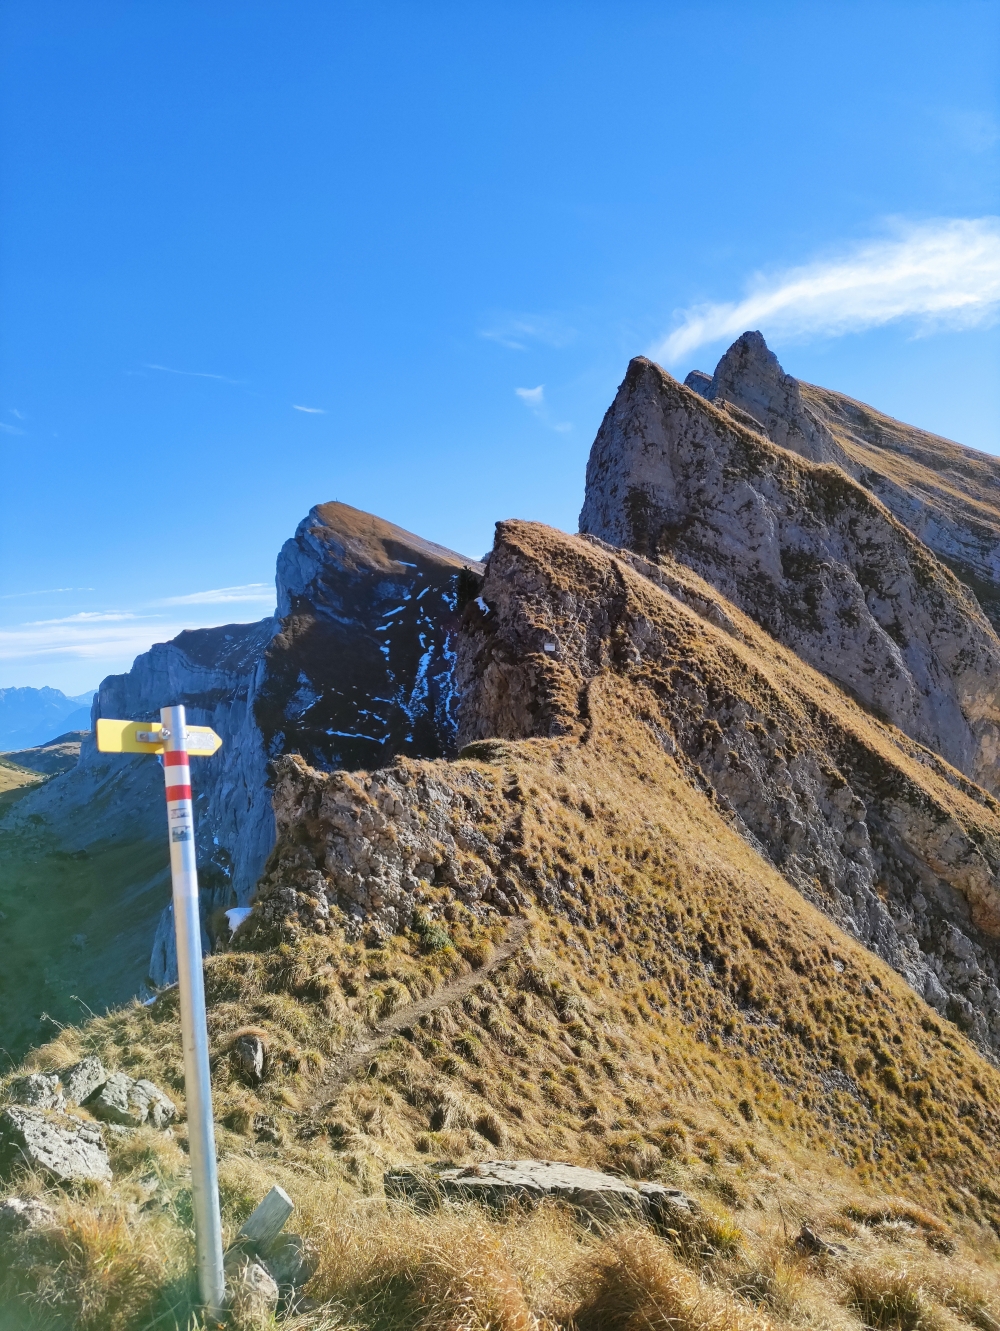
[678,1012]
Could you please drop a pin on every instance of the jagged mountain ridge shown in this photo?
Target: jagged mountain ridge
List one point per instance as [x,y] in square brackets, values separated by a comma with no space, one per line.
[947,495]
[810,554]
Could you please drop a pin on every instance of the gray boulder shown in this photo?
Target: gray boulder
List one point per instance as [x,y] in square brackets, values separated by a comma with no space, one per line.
[290,1262]
[84,1078]
[251,1291]
[64,1147]
[129,1103]
[41,1090]
[249,1053]
[499,1184]
[668,1209]
[20,1213]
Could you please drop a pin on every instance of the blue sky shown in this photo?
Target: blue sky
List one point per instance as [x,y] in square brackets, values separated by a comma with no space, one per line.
[443,230]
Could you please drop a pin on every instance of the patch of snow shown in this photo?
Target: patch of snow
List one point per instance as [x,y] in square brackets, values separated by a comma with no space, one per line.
[236,916]
[482,605]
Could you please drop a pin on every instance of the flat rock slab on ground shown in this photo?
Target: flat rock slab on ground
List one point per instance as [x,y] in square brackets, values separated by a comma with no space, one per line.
[66,1148]
[500,1183]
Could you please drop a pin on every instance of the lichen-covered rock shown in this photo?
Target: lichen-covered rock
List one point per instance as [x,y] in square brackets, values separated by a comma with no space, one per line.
[810,554]
[20,1213]
[290,1262]
[65,1148]
[40,1089]
[80,1081]
[130,1103]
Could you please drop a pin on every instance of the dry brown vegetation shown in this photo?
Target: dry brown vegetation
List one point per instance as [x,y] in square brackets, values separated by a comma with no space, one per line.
[678,1012]
[700,1025]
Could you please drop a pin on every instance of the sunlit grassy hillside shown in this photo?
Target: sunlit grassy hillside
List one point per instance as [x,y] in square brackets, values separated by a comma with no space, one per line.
[682,1015]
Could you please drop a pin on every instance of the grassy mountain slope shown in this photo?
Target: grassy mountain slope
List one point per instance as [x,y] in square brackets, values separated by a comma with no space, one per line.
[677,1011]
[947,494]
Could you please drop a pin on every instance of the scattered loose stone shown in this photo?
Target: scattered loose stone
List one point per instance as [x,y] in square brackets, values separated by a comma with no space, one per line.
[66,1148]
[131,1103]
[669,1209]
[501,1183]
[80,1081]
[252,1292]
[291,1262]
[809,1244]
[39,1089]
[249,1054]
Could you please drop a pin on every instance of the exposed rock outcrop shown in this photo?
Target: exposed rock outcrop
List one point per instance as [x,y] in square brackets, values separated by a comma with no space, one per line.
[356,668]
[63,1147]
[893,844]
[805,550]
[947,495]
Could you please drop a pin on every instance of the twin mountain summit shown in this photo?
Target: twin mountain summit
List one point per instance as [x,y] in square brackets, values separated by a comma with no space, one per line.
[790,598]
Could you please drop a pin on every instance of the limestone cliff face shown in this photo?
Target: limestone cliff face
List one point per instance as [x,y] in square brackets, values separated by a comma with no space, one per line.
[805,550]
[217,674]
[946,495]
[749,378]
[893,844]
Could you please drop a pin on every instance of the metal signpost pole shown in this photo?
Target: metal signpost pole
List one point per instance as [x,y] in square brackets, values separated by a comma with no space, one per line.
[194,1030]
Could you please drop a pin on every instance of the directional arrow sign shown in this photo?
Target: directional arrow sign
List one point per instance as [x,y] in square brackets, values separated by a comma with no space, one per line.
[146,737]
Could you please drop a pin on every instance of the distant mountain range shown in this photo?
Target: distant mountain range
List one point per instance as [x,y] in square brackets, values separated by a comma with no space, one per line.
[34,716]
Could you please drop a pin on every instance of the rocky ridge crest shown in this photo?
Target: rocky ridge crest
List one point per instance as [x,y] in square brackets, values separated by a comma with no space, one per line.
[810,554]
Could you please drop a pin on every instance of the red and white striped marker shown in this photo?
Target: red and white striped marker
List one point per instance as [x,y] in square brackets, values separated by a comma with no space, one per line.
[177,741]
[194,1029]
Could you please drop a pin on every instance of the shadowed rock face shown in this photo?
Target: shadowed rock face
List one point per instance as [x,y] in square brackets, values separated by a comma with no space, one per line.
[355,669]
[361,669]
[804,550]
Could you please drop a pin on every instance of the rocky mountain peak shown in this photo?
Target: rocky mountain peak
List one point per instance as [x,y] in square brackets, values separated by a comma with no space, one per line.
[749,377]
[804,549]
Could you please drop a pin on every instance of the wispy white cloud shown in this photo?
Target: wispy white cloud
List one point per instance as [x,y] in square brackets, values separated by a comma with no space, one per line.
[195,374]
[19,414]
[84,617]
[312,411]
[45,591]
[7,428]
[111,639]
[534,399]
[250,592]
[941,274]
[516,332]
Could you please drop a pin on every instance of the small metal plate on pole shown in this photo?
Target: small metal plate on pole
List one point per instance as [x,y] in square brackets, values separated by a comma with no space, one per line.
[176,741]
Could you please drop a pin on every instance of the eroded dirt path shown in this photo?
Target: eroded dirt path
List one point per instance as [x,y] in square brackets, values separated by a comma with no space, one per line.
[341,1068]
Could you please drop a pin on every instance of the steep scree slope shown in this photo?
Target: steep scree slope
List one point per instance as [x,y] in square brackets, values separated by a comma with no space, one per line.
[810,554]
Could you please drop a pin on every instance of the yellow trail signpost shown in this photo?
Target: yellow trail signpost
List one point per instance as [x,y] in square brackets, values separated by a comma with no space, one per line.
[175,742]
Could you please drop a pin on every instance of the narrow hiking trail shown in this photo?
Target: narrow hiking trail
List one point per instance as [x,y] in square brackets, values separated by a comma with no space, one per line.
[341,1068]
